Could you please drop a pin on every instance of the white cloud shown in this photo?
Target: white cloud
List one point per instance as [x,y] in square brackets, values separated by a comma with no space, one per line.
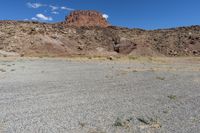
[66,8]
[43,17]
[54,12]
[53,8]
[35,5]
[105,16]
[34,19]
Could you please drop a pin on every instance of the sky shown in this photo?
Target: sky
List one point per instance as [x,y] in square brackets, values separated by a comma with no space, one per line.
[145,14]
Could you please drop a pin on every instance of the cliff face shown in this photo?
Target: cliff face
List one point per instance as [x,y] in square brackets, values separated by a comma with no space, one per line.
[86,18]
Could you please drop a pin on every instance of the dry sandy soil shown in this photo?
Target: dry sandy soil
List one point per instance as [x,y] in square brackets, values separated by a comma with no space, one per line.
[100,96]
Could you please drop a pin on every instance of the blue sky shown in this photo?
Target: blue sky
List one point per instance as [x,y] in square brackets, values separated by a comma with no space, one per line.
[146,14]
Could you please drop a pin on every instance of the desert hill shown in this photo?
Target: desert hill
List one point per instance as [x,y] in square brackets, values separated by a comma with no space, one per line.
[88,33]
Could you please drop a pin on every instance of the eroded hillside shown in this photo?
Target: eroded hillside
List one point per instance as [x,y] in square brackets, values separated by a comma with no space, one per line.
[60,39]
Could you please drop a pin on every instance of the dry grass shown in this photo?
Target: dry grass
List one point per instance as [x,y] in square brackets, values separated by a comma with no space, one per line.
[160,78]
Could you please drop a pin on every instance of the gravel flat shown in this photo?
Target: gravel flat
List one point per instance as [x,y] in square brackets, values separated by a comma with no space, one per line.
[63,96]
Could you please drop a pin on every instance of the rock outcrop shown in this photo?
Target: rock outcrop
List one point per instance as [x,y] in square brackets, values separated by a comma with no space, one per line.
[86,18]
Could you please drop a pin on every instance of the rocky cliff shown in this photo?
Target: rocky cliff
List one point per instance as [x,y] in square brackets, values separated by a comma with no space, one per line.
[86,18]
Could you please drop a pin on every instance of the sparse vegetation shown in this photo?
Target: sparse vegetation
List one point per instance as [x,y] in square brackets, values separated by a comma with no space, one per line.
[165,111]
[82,124]
[152,122]
[143,120]
[123,123]
[2,70]
[160,78]
[134,71]
[132,57]
[90,57]
[118,123]
[172,97]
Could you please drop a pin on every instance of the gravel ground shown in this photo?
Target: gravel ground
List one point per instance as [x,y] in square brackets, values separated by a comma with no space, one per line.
[63,96]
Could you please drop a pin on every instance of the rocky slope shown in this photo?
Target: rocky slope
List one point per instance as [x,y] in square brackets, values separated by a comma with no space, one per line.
[64,39]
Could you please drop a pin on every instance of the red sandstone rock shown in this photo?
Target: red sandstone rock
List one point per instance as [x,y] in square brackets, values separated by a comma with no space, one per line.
[86,18]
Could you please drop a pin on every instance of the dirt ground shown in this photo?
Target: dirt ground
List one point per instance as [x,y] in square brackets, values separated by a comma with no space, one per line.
[84,95]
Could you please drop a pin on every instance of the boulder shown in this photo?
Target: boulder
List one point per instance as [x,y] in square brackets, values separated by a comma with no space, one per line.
[125,47]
